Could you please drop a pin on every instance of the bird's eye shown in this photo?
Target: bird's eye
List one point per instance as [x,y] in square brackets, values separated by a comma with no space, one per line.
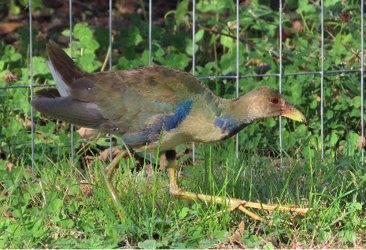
[274,100]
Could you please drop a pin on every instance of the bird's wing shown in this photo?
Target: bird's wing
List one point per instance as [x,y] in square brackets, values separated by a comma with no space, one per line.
[134,99]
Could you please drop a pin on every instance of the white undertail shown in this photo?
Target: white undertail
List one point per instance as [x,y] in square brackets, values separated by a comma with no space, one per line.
[62,87]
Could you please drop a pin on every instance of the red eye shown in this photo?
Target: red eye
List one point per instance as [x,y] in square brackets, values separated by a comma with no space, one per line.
[274,100]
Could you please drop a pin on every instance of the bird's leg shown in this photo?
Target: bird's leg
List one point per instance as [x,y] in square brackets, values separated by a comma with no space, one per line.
[232,203]
[107,181]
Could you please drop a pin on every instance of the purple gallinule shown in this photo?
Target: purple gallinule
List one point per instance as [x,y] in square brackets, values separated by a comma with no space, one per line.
[156,106]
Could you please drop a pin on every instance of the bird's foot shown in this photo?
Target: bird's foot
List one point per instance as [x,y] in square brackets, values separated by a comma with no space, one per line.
[232,203]
[242,205]
[237,204]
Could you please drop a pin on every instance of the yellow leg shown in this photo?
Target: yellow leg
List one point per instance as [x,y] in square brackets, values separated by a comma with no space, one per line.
[107,181]
[233,203]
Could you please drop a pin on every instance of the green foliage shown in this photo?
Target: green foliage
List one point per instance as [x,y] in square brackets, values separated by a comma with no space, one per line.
[10,55]
[181,11]
[84,48]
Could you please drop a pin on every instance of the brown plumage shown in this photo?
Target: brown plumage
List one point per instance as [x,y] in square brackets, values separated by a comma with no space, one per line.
[134,103]
[153,106]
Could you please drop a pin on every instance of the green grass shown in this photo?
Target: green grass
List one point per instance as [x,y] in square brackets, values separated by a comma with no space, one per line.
[56,208]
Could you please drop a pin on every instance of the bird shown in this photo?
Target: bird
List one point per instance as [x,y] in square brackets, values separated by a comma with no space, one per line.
[157,108]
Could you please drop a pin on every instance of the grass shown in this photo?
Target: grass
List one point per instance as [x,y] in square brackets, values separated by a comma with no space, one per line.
[67,207]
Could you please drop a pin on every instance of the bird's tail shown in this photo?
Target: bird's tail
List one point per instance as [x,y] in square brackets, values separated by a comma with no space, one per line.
[63,69]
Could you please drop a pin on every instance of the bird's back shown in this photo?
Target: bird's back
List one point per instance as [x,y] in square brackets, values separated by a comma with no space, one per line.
[137,103]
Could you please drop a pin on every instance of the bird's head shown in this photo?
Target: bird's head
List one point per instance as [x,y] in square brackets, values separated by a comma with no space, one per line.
[266,102]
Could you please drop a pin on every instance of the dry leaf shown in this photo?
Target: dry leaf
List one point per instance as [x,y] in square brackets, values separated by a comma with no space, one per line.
[8,214]
[242,228]
[9,167]
[86,188]
[104,156]
[88,133]
[9,27]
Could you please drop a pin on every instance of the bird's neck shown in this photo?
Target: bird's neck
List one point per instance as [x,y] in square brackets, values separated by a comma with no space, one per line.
[234,116]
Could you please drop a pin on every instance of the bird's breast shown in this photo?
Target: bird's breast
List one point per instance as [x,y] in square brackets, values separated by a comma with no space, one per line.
[200,125]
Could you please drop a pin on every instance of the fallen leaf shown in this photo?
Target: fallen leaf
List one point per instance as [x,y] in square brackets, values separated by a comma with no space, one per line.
[9,27]
[104,156]
[88,133]
[242,228]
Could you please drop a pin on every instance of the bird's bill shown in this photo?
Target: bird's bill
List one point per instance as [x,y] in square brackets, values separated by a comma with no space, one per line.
[291,112]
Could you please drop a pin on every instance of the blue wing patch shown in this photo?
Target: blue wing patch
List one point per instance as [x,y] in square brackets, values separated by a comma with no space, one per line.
[181,111]
[226,123]
[169,122]
[231,126]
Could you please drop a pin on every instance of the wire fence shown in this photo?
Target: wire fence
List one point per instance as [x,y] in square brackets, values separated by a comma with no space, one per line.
[280,75]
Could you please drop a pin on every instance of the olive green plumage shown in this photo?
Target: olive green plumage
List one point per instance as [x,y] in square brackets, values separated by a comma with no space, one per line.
[139,104]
